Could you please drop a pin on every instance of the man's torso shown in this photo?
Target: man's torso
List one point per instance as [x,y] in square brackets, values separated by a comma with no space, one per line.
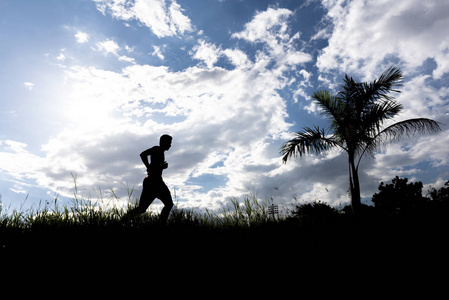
[157,159]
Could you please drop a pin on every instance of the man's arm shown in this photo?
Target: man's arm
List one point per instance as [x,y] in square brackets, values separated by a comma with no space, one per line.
[144,156]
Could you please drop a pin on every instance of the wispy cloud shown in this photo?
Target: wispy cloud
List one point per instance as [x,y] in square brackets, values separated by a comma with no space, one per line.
[111,47]
[18,162]
[108,46]
[81,37]
[29,85]
[158,52]
[207,52]
[61,56]
[271,27]
[366,37]
[163,20]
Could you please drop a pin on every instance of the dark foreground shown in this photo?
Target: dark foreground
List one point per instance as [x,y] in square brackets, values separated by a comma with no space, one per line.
[275,259]
[288,242]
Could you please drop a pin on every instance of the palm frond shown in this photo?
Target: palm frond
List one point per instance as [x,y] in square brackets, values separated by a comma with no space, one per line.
[389,79]
[309,140]
[327,102]
[409,128]
[349,92]
[381,88]
[331,107]
[378,113]
[406,128]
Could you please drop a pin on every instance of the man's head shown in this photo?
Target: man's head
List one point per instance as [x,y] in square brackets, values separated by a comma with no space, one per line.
[165,141]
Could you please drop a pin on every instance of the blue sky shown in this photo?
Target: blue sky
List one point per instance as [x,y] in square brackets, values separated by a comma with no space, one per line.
[88,84]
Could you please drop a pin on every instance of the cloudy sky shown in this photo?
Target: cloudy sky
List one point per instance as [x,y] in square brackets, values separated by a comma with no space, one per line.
[86,85]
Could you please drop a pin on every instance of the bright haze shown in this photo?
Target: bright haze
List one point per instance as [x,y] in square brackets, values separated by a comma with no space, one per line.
[86,86]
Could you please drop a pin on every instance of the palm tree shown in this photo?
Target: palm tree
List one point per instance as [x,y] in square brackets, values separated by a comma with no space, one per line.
[357,114]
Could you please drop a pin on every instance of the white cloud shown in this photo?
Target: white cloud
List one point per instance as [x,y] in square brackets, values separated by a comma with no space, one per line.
[210,112]
[368,36]
[163,20]
[237,57]
[321,34]
[271,28]
[207,52]
[129,49]
[108,46]
[81,37]
[17,161]
[402,158]
[157,52]
[29,85]
[267,27]
[422,98]
[61,56]
[179,22]
[126,58]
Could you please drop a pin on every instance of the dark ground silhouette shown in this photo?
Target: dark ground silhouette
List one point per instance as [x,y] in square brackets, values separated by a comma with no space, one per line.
[313,240]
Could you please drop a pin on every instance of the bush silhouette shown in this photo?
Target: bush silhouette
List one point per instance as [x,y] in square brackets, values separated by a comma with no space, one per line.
[441,195]
[316,213]
[399,198]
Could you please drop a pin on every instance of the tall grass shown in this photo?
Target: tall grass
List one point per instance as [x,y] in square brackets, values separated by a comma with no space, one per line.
[85,226]
[246,212]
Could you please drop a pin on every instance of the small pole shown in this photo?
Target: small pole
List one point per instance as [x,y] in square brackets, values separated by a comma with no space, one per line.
[272,210]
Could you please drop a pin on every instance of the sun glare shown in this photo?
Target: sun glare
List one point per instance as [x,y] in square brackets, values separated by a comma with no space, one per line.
[89,113]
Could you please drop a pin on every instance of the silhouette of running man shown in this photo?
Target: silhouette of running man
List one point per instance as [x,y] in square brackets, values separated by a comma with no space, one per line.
[153,185]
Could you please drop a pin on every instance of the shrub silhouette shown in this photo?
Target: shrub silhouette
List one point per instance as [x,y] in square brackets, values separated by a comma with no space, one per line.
[437,209]
[399,197]
[316,213]
[441,195]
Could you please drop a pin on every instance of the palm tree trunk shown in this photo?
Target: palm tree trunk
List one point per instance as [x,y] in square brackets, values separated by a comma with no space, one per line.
[354,186]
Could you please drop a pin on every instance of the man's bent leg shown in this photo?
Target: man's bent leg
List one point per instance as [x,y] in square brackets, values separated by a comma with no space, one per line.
[165,197]
[166,212]
[146,198]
